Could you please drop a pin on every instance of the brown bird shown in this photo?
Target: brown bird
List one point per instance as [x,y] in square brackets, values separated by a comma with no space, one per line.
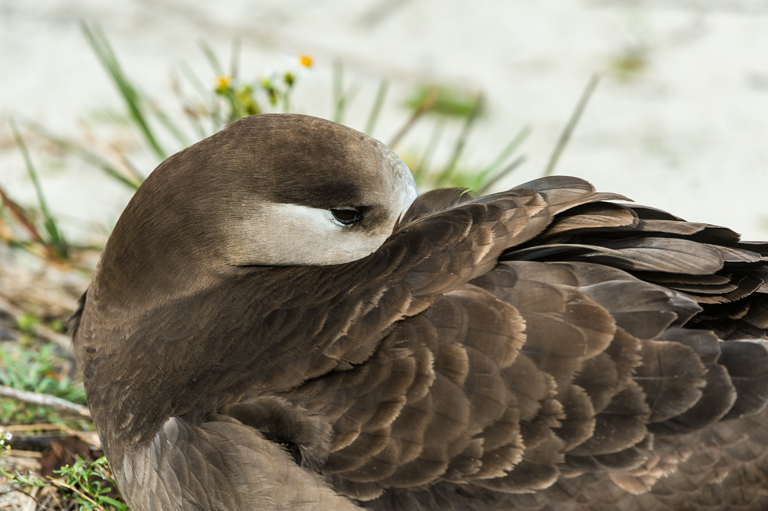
[278,322]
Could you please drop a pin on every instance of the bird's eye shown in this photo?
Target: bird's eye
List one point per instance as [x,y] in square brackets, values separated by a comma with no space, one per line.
[346,216]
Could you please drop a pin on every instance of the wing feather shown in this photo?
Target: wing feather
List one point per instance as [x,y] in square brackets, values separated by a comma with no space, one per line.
[538,348]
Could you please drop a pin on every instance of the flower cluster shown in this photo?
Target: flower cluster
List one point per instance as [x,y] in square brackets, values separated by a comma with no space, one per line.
[243,97]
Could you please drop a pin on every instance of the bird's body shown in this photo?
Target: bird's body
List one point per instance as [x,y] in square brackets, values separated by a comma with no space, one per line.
[276,323]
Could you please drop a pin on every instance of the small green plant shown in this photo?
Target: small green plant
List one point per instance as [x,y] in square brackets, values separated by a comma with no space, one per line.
[448,102]
[230,98]
[243,98]
[35,370]
[89,485]
[27,323]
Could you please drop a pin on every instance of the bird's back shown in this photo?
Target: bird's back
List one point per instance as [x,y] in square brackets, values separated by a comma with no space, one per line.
[614,360]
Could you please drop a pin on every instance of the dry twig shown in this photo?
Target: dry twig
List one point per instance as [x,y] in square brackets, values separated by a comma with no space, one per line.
[36,398]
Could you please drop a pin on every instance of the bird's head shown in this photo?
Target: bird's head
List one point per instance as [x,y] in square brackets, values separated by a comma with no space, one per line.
[206,242]
[267,190]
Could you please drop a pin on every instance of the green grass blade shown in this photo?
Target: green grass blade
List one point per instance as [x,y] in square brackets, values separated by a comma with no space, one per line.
[417,114]
[56,237]
[338,91]
[17,213]
[195,81]
[452,102]
[234,61]
[170,126]
[484,187]
[437,132]
[377,104]
[92,158]
[458,147]
[349,96]
[565,136]
[213,60]
[510,148]
[100,46]
[206,96]
[341,99]
[188,108]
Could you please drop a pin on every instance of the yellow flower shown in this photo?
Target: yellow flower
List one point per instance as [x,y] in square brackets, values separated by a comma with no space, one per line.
[223,82]
[305,61]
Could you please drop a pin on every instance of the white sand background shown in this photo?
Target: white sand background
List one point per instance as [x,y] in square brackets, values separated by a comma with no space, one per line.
[688,132]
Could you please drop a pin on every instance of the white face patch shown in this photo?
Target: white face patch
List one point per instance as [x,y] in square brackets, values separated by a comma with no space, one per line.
[289,234]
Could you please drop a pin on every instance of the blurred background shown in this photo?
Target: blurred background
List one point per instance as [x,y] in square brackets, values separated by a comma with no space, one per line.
[480,93]
[678,120]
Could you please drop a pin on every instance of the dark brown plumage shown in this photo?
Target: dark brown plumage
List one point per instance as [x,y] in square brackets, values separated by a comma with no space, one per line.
[538,349]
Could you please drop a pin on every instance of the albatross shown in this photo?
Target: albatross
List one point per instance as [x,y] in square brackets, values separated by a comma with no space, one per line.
[279,322]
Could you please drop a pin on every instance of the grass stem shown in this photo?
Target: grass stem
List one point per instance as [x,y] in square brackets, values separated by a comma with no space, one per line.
[565,136]
[377,104]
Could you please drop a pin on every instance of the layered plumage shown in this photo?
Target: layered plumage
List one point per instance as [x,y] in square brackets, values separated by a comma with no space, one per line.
[540,348]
